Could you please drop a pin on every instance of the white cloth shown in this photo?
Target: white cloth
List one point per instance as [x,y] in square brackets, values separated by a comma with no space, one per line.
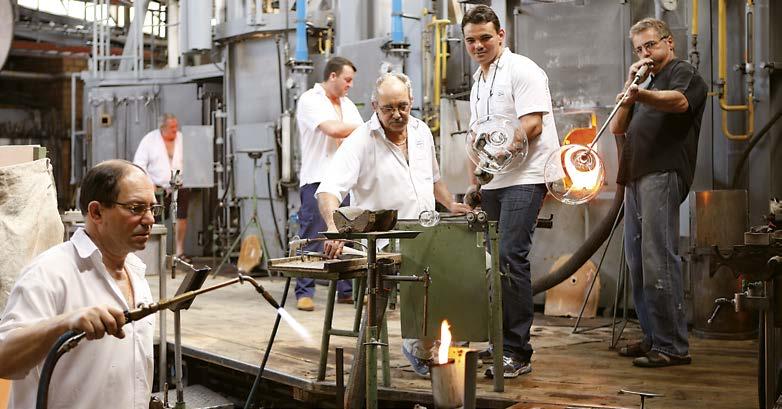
[152,156]
[378,176]
[108,372]
[317,148]
[29,220]
[519,88]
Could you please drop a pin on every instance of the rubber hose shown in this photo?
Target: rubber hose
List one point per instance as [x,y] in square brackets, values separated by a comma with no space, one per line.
[592,243]
[52,357]
[752,143]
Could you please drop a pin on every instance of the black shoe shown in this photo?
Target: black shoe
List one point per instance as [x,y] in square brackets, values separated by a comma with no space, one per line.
[486,356]
[634,349]
[656,359]
[512,368]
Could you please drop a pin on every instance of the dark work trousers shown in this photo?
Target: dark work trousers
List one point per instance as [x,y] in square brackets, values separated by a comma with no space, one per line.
[310,225]
[516,209]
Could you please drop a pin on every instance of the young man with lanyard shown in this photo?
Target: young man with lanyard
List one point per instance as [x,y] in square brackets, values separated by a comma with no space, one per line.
[325,116]
[661,122]
[512,85]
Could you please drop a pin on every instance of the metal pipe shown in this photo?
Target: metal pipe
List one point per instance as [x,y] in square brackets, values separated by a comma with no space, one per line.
[397,31]
[440,65]
[301,31]
[722,71]
[694,55]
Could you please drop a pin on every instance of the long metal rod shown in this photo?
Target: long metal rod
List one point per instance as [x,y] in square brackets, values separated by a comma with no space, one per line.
[636,81]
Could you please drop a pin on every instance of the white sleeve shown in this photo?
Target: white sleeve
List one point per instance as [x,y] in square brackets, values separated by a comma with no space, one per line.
[141,158]
[30,302]
[311,112]
[530,90]
[345,167]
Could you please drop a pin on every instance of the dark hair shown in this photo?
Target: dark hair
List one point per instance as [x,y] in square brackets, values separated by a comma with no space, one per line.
[335,65]
[479,15]
[101,183]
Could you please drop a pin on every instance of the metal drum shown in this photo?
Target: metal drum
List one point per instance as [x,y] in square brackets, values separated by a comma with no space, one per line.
[717,217]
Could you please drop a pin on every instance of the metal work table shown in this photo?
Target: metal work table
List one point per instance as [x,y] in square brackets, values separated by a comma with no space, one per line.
[370,329]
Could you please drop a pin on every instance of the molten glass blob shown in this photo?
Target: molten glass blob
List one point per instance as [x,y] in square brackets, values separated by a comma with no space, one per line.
[429,218]
[574,174]
[496,144]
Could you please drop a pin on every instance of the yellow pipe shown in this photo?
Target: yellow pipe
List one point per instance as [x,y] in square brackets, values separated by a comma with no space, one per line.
[723,76]
[440,60]
[694,24]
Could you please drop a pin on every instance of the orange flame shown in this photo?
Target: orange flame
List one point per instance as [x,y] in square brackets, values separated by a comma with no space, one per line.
[445,343]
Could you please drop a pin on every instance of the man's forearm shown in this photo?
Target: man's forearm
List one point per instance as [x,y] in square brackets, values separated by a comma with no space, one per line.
[442,194]
[327,203]
[337,129]
[620,121]
[26,347]
[666,101]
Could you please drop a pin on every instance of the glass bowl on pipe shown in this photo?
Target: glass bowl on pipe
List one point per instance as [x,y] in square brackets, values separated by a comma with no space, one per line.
[496,144]
[574,174]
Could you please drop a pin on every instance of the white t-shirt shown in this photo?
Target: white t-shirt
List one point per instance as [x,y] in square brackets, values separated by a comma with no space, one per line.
[104,373]
[152,156]
[378,176]
[317,148]
[519,88]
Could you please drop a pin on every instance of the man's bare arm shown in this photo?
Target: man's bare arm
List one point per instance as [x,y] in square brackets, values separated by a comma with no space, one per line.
[26,347]
[337,129]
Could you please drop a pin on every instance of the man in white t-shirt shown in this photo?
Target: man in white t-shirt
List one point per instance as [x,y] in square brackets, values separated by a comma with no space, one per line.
[84,285]
[512,85]
[325,116]
[159,153]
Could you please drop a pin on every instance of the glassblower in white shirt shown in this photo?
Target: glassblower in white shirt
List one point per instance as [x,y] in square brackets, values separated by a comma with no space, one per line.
[84,285]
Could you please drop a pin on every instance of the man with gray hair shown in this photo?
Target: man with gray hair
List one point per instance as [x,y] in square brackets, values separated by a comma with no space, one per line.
[160,153]
[388,162]
[661,123]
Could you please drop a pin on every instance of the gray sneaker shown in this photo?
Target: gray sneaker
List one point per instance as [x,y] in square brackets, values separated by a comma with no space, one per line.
[486,356]
[512,368]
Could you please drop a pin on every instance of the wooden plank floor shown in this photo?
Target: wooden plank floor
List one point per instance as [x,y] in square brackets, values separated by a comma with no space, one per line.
[568,370]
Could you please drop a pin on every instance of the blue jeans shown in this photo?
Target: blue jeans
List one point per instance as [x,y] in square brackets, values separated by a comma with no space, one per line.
[516,208]
[651,242]
[311,224]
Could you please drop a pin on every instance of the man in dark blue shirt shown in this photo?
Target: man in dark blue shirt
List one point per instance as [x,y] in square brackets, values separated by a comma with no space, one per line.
[661,121]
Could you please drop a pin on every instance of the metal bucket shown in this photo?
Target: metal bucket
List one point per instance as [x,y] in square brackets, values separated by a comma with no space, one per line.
[717,218]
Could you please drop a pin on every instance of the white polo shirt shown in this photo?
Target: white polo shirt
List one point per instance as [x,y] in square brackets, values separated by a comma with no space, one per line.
[317,148]
[104,373]
[516,86]
[152,156]
[378,176]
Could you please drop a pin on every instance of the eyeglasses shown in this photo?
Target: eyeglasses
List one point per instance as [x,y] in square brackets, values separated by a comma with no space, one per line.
[649,45]
[139,209]
[390,109]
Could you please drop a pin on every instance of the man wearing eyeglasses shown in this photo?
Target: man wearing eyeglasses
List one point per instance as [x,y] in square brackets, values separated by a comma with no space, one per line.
[512,85]
[388,162]
[325,116]
[84,285]
[661,122]
[159,153]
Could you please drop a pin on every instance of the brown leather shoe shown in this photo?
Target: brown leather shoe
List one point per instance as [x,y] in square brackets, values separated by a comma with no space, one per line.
[305,304]
[634,349]
[655,359]
[348,299]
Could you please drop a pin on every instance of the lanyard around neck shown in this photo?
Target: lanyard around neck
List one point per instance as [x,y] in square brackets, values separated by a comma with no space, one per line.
[491,88]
